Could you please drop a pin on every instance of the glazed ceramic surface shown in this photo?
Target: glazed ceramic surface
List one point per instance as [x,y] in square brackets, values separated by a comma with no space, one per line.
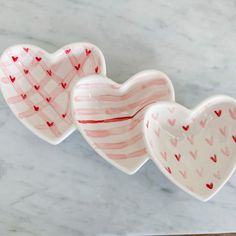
[195,149]
[36,85]
[110,115]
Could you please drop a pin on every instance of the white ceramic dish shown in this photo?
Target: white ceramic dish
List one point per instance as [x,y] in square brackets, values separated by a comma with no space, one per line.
[110,115]
[195,149]
[36,85]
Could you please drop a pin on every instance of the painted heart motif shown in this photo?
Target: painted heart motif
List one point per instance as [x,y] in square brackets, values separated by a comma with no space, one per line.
[110,115]
[195,149]
[36,85]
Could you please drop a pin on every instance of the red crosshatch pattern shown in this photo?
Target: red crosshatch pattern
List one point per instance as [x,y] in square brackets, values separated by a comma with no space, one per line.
[110,115]
[36,85]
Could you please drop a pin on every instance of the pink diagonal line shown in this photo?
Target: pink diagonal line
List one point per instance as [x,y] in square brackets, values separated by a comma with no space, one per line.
[68,78]
[82,60]
[43,83]
[32,81]
[56,92]
[92,60]
[29,103]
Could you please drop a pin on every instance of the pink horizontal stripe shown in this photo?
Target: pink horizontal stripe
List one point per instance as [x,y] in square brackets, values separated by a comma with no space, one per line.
[114,131]
[135,154]
[119,145]
[97,85]
[116,98]
[110,111]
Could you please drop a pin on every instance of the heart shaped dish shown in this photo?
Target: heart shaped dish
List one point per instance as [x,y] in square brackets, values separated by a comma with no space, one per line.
[195,149]
[36,85]
[110,115]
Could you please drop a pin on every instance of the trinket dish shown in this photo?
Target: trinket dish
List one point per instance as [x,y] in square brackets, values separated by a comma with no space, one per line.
[36,85]
[195,149]
[110,115]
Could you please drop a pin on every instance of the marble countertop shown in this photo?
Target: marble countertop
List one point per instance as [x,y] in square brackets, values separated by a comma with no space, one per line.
[68,189]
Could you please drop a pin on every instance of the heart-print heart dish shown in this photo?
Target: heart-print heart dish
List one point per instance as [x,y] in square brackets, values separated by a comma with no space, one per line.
[110,115]
[36,85]
[195,149]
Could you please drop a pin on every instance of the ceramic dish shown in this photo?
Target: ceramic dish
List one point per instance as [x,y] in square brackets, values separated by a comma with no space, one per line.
[110,115]
[36,85]
[195,149]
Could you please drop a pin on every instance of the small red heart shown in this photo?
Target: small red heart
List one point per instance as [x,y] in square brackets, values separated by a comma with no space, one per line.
[214,158]
[38,58]
[210,185]
[36,108]
[218,113]
[63,115]
[77,67]
[168,169]
[12,78]
[14,58]
[63,85]
[96,69]
[26,49]
[48,99]
[67,51]
[88,51]
[37,87]
[178,156]
[49,72]
[234,138]
[23,96]
[185,127]
[50,124]
[26,71]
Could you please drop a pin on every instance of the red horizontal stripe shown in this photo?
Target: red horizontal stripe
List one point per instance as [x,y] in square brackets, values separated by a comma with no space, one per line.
[117,119]
[102,133]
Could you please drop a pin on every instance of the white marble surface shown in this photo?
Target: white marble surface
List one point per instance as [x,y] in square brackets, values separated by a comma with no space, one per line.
[67,189]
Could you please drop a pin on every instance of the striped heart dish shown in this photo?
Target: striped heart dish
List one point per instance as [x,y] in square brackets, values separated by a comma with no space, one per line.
[36,85]
[195,149]
[110,115]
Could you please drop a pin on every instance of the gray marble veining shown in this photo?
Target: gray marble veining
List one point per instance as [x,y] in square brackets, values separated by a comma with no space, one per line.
[68,189]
